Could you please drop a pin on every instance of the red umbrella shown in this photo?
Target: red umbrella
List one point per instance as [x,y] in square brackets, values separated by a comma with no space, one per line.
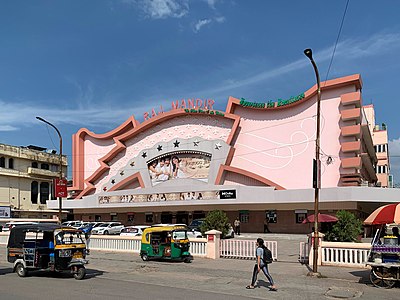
[384,215]
[322,218]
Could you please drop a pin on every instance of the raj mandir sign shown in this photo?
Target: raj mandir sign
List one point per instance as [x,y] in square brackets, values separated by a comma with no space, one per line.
[194,103]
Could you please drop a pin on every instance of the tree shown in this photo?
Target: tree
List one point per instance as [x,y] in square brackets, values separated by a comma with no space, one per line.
[217,220]
[346,229]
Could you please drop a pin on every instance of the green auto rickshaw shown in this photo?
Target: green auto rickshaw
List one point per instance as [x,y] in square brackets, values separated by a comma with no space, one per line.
[166,242]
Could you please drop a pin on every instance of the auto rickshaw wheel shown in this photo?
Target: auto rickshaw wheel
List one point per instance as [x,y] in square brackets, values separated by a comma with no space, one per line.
[187,260]
[21,270]
[377,276]
[80,273]
[145,257]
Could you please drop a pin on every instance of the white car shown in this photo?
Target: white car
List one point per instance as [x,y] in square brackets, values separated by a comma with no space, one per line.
[108,228]
[194,233]
[133,230]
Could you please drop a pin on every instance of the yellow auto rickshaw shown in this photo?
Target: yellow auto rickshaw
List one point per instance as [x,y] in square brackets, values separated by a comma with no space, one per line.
[47,247]
[166,242]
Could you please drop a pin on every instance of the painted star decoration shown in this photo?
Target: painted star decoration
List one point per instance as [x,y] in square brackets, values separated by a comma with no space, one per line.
[217,146]
[132,164]
[104,188]
[196,143]
[159,148]
[176,144]
[113,181]
[144,155]
[121,173]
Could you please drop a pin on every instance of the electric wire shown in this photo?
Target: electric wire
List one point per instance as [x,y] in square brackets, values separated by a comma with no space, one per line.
[337,40]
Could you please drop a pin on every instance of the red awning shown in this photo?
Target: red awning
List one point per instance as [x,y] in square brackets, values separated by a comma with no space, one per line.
[384,215]
[322,218]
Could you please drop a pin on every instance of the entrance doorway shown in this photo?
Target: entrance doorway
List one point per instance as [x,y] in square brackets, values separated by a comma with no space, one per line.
[182,217]
[166,218]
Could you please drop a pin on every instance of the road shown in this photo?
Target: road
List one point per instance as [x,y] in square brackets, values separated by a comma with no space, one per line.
[125,276]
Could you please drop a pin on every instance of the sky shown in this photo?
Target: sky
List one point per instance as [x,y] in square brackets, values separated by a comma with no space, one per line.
[93,64]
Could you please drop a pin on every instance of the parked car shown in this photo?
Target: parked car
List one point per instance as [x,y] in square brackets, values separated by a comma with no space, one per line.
[74,224]
[194,234]
[196,223]
[133,230]
[108,228]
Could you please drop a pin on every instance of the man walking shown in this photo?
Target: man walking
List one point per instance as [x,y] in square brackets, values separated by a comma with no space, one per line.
[236,226]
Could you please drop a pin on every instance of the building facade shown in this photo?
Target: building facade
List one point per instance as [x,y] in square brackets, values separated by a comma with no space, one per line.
[253,160]
[26,176]
[381,145]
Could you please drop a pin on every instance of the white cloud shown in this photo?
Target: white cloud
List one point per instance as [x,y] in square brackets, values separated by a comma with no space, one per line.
[200,24]
[211,3]
[220,19]
[162,9]
[7,128]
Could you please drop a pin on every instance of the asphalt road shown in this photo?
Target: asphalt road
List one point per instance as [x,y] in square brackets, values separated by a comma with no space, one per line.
[126,276]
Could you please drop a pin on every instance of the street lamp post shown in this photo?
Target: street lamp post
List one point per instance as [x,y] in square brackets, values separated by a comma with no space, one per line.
[316,167]
[60,176]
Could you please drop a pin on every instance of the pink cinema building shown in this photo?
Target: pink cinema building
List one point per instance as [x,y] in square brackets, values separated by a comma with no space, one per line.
[254,161]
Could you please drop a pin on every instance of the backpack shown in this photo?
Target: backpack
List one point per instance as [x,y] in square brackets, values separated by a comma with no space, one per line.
[267,256]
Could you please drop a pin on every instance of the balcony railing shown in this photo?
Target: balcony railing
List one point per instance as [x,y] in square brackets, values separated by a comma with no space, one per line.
[42,172]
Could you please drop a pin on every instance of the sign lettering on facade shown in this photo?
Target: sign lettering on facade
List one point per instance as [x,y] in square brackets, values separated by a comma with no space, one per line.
[194,103]
[271,104]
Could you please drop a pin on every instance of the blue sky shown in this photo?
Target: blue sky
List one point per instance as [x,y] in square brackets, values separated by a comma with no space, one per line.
[94,63]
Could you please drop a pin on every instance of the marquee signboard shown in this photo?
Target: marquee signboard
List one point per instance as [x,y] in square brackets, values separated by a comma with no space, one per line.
[165,197]
[179,165]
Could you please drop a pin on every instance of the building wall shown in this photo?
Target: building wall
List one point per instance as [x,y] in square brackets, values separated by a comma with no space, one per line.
[15,183]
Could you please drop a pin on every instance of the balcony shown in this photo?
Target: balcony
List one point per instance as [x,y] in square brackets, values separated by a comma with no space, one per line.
[351,114]
[351,162]
[41,172]
[351,99]
[353,130]
[351,147]
[9,172]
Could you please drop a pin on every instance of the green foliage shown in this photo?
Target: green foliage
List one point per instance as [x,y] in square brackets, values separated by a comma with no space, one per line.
[217,220]
[346,229]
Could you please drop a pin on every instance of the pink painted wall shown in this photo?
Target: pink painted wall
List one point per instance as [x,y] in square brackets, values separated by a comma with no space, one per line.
[280,144]
[203,126]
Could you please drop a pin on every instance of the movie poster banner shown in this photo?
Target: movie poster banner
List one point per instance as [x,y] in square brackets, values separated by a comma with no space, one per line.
[179,165]
[160,197]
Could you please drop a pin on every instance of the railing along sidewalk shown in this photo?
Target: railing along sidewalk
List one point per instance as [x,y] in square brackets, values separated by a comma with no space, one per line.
[345,254]
[235,248]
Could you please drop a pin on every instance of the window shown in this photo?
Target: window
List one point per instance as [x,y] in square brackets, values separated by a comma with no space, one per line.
[54,168]
[301,215]
[44,192]
[271,216]
[381,148]
[11,163]
[244,216]
[381,169]
[114,218]
[34,164]
[97,218]
[2,162]
[34,192]
[44,166]
[149,218]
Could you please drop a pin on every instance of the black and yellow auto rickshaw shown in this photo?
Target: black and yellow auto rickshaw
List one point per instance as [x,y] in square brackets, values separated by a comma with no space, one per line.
[166,242]
[47,247]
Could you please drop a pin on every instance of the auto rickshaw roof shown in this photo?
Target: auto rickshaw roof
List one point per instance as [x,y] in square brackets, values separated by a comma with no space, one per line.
[165,228]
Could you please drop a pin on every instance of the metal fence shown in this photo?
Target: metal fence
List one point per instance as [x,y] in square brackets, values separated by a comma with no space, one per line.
[245,248]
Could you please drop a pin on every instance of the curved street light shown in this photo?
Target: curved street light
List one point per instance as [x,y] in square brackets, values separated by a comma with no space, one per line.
[316,167]
[60,176]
